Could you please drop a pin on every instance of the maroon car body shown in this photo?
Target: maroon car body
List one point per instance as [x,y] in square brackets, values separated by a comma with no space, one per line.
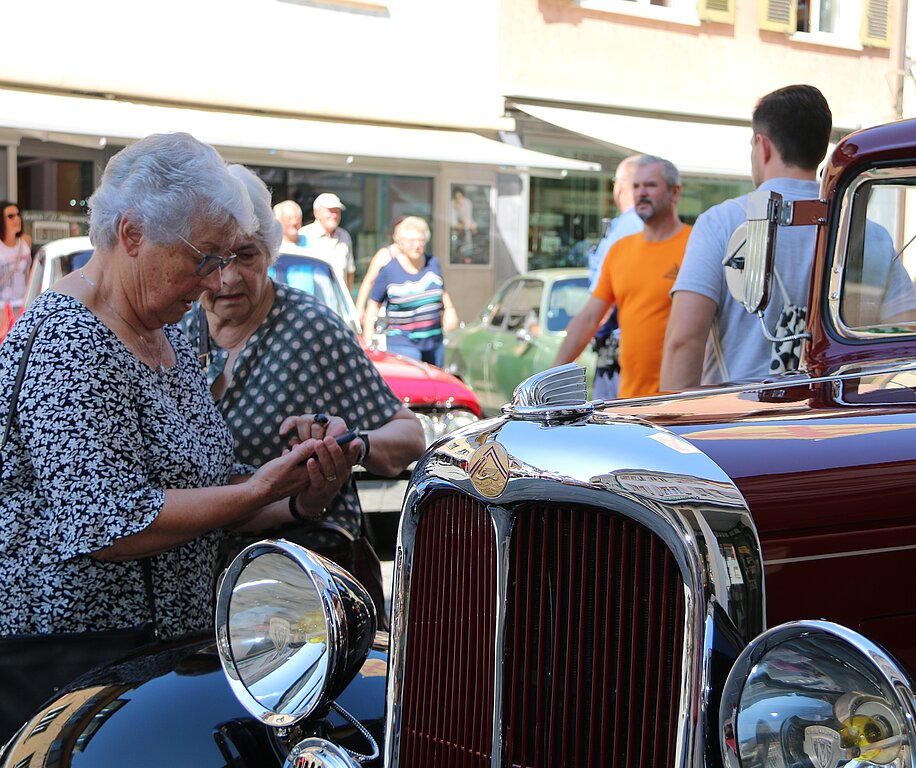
[626,590]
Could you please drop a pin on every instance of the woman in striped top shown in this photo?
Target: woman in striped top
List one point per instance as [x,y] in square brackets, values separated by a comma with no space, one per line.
[418,307]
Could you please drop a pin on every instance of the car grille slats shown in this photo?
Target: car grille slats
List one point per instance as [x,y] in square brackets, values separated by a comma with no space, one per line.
[592,646]
[448,682]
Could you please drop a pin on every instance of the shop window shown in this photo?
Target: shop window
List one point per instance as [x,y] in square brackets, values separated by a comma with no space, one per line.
[52,194]
[567,217]
[374,202]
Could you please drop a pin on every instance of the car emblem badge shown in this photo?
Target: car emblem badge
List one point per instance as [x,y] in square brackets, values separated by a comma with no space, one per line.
[822,746]
[489,469]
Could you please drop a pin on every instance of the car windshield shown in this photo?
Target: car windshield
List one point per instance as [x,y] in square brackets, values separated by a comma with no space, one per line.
[312,276]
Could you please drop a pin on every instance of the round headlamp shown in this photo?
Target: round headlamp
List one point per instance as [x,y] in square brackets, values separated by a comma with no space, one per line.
[816,694]
[292,629]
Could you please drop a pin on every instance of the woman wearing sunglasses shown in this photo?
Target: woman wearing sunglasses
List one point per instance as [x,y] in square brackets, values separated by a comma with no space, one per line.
[118,475]
[15,256]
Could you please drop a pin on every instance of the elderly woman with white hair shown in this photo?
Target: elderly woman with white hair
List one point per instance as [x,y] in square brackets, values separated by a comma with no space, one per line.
[118,475]
[411,287]
[273,350]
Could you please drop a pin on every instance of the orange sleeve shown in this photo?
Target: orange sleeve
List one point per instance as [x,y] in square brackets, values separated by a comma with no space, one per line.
[604,288]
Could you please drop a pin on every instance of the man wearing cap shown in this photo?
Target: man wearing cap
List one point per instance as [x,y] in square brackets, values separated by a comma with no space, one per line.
[327,240]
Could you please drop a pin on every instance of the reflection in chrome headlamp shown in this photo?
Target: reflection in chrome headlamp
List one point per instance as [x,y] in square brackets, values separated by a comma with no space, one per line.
[435,425]
[292,628]
[815,694]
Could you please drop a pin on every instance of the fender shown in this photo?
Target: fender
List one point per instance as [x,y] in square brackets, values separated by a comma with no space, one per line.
[172,706]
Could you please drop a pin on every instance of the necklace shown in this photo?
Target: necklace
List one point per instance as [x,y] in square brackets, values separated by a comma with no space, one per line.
[159,368]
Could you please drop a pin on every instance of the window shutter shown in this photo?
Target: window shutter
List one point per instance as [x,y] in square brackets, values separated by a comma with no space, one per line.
[876,23]
[722,11]
[777,15]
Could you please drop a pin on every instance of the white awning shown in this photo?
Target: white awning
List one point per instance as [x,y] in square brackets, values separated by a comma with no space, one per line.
[697,149]
[57,117]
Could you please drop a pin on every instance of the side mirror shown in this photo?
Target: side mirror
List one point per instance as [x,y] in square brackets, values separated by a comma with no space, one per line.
[748,262]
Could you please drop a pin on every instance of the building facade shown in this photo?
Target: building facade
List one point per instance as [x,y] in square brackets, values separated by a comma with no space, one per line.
[517,110]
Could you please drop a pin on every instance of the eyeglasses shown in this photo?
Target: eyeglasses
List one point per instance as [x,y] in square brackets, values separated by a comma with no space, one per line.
[208,263]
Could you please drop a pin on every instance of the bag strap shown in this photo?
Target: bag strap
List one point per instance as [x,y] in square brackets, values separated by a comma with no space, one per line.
[717,349]
[203,338]
[786,301]
[20,377]
[14,403]
[147,567]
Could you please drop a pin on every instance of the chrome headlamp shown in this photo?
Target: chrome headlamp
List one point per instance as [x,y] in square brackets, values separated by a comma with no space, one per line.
[816,694]
[292,629]
[435,425]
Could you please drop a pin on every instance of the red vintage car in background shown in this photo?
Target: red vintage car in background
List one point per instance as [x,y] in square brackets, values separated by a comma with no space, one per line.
[699,580]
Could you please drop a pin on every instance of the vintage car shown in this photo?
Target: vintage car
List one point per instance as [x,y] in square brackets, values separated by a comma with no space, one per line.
[518,334]
[441,401]
[714,578]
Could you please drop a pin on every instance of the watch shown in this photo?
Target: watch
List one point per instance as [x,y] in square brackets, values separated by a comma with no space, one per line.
[364,451]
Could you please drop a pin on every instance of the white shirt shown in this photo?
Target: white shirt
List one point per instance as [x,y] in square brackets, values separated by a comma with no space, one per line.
[336,249]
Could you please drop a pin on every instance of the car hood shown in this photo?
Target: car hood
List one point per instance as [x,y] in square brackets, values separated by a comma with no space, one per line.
[418,384]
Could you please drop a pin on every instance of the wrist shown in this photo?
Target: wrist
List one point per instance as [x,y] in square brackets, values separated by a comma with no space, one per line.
[298,515]
[363,449]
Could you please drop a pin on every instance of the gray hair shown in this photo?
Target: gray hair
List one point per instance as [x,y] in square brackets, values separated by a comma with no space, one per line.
[167,183]
[269,232]
[627,165]
[288,206]
[670,173]
[414,224]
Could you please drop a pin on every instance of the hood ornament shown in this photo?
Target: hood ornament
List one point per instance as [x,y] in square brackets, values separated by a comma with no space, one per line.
[555,394]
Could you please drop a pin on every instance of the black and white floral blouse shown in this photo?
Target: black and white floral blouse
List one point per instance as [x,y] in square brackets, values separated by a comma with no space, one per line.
[96,439]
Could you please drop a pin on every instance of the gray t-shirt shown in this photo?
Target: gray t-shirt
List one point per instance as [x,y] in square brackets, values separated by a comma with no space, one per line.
[745,349]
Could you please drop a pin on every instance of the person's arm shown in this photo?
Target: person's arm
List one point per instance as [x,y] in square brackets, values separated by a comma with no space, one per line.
[372,308]
[394,445]
[688,329]
[379,260]
[449,314]
[313,471]
[581,329]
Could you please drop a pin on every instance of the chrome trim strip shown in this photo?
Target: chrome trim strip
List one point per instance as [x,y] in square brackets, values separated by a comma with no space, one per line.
[844,373]
[502,523]
[834,555]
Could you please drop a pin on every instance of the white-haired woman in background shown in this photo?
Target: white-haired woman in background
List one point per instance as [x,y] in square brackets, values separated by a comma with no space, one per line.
[274,350]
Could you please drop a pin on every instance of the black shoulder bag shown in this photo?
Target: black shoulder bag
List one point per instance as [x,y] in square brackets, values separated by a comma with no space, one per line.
[34,667]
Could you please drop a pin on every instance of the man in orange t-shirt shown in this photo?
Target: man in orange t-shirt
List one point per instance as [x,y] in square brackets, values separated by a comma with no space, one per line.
[637,276]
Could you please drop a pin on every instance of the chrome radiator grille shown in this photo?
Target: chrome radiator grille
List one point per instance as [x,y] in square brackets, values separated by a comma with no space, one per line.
[593,638]
[448,683]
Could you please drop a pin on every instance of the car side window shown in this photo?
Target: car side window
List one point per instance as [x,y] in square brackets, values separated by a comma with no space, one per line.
[567,297]
[498,311]
[878,294]
[523,309]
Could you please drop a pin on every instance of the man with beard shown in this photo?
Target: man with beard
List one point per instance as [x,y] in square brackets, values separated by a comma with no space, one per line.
[637,276]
